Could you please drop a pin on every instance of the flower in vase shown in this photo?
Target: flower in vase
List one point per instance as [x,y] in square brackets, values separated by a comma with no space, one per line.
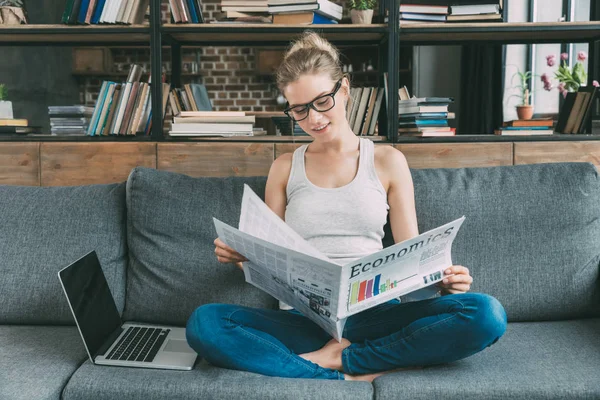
[569,78]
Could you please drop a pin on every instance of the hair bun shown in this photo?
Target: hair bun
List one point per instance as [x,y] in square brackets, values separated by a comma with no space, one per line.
[312,40]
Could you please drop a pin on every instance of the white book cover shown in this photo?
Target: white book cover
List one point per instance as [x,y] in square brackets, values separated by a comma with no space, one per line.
[212,127]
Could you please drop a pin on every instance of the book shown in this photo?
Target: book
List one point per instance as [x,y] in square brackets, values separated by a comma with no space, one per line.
[469,9]
[302,18]
[207,127]
[431,133]
[589,107]
[13,122]
[317,287]
[529,122]
[424,9]
[522,132]
[213,114]
[564,112]
[421,109]
[185,120]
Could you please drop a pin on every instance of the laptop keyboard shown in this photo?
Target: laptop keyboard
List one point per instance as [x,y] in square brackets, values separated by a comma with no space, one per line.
[139,344]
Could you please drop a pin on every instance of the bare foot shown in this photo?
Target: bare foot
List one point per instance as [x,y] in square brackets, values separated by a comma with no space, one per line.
[328,356]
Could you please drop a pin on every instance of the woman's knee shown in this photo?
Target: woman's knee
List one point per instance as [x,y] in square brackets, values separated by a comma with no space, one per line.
[490,318]
[205,326]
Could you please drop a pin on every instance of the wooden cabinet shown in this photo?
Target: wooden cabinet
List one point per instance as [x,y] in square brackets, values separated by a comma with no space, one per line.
[216,159]
[67,164]
[547,152]
[456,155]
[20,164]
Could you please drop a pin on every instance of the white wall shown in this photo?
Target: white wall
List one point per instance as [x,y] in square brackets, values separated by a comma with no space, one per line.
[437,73]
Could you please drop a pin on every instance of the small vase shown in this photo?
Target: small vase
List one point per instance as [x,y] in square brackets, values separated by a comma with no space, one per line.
[361,16]
[6,110]
[525,112]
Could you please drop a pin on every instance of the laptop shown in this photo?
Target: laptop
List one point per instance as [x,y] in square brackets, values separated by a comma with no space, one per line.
[109,341]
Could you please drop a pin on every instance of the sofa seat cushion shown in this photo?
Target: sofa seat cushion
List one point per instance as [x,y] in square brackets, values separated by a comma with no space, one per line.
[173,268]
[533,360]
[44,229]
[36,362]
[203,382]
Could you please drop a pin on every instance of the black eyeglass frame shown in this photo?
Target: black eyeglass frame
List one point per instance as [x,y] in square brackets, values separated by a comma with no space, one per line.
[288,109]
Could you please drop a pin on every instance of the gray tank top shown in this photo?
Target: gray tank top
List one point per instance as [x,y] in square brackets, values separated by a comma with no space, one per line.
[344,223]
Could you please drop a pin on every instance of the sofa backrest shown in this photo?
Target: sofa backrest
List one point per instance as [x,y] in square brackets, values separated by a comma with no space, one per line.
[531,236]
[173,268]
[42,230]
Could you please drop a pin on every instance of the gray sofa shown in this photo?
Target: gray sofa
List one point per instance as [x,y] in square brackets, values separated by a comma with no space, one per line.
[531,239]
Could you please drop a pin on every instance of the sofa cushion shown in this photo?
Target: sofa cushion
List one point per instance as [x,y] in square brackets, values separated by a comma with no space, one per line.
[203,382]
[533,360]
[530,237]
[170,231]
[36,362]
[42,230]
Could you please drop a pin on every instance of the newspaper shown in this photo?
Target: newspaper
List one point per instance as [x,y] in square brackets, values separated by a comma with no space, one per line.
[290,269]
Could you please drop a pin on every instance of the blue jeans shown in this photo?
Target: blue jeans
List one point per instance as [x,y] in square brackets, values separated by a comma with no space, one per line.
[386,337]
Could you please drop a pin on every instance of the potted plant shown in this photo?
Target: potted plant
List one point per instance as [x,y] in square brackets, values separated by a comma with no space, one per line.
[361,11]
[525,109]
[6,110]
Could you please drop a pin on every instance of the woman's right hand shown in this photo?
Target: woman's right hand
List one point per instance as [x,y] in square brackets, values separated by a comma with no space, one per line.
[226,254]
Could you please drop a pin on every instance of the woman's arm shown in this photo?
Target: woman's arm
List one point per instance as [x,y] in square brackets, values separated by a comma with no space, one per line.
[400,192]
[275,190]
[403,216]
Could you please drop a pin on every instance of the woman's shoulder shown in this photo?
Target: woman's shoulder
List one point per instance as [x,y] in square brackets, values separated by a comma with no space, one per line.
[388,157]
[281,168]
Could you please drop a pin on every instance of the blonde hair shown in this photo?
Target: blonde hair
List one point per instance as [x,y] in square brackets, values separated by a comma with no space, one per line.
[310,54]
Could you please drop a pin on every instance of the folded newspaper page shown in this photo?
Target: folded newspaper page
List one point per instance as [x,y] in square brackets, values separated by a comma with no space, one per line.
[290,269]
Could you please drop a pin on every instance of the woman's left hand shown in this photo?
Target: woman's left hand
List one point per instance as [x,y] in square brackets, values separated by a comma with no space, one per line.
[460,282]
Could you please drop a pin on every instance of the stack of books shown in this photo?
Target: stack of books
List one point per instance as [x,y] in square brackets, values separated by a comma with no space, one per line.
[425,116]
[105,11]
[517,127]
[363,108]
[12,126]
[69,120]
[576,110]
[186,11]
[244,11]
[212,123]
[419,11]
[192,97]
[124,108]
[305,12]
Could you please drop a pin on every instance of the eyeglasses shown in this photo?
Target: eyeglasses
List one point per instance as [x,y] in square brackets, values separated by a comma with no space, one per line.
[320,104]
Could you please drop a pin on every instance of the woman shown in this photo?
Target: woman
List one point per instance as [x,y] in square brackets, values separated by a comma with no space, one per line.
[336,193]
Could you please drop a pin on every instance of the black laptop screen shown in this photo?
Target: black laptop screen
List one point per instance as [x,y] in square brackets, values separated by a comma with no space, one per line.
[91,301]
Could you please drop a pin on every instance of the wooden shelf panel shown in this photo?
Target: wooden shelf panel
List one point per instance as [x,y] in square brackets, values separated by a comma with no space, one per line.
[216,159]
[544,152]
[68,164]
[248,34]
[74,34]
[20,164]
[457,155]
[529,32]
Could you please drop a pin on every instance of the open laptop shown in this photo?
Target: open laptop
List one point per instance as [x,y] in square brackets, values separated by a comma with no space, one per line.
[107,339]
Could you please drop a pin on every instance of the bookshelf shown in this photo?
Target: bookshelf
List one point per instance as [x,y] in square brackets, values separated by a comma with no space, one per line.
[73,35]
[388,37]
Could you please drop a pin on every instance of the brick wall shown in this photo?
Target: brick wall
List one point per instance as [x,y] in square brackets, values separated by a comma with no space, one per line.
[227,72]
